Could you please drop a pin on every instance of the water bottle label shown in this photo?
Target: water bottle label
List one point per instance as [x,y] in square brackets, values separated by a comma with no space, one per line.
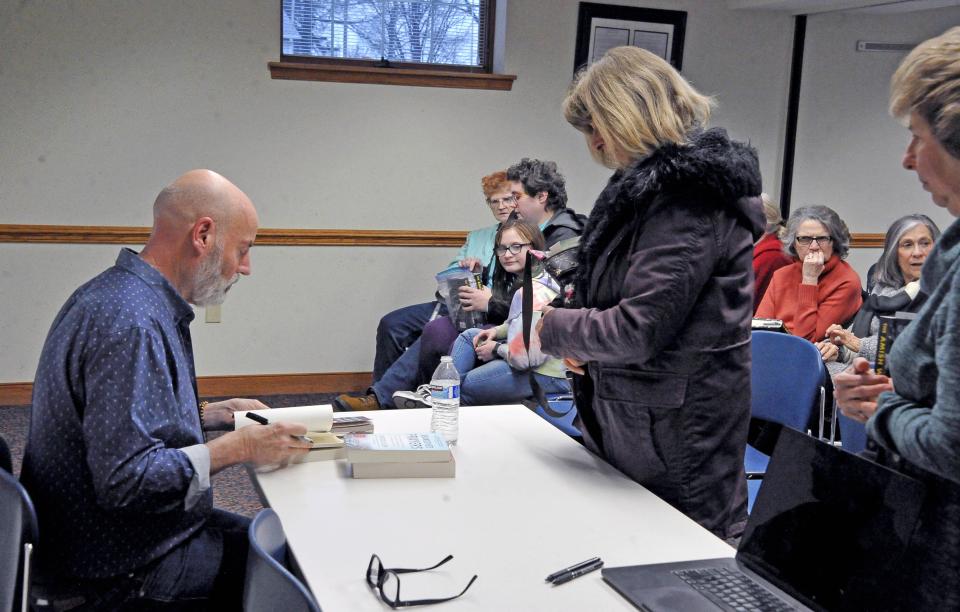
[445,393]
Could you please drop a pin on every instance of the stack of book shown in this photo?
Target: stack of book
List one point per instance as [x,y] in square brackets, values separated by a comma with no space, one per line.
[399,455]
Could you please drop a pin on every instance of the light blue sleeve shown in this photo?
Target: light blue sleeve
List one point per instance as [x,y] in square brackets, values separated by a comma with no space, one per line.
[199,456]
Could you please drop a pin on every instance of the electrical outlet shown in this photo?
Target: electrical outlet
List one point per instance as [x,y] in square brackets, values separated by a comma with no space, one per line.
[212,314]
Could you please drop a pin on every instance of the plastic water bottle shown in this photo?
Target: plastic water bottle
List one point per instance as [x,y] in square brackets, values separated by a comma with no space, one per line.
[445,396]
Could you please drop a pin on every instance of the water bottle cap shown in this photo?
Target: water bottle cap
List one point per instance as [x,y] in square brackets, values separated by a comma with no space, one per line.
[446,358]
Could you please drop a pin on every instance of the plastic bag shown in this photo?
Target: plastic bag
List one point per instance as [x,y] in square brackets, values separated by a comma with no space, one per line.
[448,284]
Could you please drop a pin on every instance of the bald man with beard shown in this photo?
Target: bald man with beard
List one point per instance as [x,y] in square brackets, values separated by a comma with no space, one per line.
[117,461]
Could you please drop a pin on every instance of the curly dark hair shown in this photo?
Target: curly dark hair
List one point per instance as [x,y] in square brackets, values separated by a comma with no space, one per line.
[536,176]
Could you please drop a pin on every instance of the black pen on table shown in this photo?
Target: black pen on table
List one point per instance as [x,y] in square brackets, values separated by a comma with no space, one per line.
[575,571]
[264,421]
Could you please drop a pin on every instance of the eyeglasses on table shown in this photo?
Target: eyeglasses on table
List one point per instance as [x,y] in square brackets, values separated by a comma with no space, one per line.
[387,582]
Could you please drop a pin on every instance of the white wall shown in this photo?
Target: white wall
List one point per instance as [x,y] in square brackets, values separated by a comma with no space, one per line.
[102,103]
[848,147]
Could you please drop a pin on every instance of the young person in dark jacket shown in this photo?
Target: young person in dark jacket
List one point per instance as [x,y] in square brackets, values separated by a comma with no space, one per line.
[661,337]
[541,195]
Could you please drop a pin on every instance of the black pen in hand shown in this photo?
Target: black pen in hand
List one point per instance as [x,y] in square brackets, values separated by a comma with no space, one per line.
[263,421]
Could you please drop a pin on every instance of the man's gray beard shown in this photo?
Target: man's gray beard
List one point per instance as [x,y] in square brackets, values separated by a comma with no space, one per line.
[209,286]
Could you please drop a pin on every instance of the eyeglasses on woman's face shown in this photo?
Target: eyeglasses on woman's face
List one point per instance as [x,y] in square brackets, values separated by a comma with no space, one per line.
[508,201]
[808,240]
[515,249]
[924,245]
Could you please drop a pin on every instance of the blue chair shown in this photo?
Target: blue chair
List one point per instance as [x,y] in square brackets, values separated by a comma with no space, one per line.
[562,403]
[786,383]
[18,536]
[853,434]
[269,584]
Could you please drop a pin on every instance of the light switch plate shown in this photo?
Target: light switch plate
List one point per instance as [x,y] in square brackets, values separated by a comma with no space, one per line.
[212,314]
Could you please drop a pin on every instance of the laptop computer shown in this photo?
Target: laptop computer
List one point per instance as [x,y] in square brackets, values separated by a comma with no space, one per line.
[826,532]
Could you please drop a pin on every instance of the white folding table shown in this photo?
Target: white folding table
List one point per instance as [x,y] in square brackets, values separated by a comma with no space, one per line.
[527,501]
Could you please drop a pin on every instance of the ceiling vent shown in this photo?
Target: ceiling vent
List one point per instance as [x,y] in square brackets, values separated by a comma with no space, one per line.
[863,45]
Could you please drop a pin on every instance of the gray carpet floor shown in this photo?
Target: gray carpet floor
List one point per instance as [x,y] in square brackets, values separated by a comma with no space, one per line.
[232,489]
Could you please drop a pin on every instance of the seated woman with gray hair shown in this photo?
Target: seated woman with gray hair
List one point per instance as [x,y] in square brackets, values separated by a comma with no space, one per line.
[819,288]
[896,288]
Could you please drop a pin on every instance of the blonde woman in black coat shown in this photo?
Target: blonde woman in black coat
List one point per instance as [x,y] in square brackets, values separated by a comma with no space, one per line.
[664,289]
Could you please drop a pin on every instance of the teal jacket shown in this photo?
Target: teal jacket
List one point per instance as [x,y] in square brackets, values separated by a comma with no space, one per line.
[479,244]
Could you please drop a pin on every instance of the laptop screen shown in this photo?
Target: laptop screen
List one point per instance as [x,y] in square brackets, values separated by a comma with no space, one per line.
[829,527]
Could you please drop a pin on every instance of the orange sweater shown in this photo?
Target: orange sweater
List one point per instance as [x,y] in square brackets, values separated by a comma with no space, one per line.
[807,310]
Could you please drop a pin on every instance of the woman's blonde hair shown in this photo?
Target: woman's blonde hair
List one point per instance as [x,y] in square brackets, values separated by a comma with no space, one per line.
[928,81]
[772,213]
[635,101]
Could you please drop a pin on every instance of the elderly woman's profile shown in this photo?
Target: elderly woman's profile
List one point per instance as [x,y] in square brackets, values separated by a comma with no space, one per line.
[914,415]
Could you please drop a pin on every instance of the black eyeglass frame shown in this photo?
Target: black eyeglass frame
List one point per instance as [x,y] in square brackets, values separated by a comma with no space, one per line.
[514,248]
[811,239]
[383,572]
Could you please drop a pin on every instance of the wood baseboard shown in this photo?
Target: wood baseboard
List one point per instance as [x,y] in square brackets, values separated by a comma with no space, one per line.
[18,394]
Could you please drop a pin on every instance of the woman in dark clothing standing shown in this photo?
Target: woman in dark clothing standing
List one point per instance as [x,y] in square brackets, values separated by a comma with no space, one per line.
[664,288]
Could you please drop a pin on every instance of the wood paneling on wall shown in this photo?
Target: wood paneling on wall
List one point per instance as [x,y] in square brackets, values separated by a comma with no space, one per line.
[105,234]
[18,394]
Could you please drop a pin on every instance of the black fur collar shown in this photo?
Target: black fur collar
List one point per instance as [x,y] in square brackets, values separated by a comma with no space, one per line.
[710,164]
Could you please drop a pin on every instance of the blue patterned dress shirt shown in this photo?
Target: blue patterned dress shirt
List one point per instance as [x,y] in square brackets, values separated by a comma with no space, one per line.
[114,407]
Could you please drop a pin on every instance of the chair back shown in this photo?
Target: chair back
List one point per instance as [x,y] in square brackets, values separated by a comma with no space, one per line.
[18,536]
[853,434]
[6,461]
[269,584]
[786,378]
[564,413]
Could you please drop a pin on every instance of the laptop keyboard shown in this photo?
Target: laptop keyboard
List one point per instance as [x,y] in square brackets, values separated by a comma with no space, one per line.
[732,589]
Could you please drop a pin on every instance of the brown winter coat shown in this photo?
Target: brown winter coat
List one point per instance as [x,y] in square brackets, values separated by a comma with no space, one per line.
[666,282]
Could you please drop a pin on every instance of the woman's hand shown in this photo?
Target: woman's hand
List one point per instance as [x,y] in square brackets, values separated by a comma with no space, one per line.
[543,314]
[471,263]
[219,415]
[487,351]
[485,335]
[812,267]
[574,365]
[473,299]
[856,390]
[843,337]
[828,350]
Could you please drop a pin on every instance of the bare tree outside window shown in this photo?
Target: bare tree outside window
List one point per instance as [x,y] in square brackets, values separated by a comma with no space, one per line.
[448,32]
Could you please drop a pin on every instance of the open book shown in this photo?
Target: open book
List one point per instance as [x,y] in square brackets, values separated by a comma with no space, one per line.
[324,427]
